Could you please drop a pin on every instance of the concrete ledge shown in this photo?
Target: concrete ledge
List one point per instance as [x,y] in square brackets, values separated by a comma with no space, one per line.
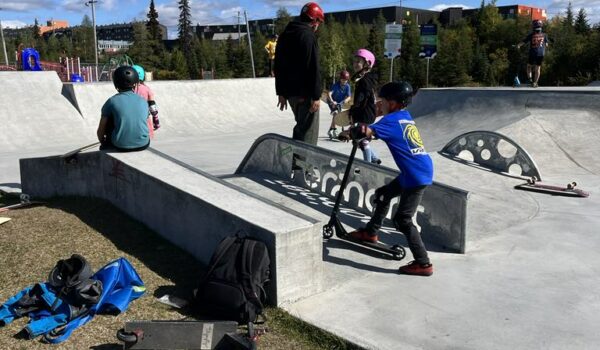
[191,209]
[442,214]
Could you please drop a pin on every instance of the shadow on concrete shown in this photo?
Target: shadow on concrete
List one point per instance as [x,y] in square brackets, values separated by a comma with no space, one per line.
[349,217]
[134,238]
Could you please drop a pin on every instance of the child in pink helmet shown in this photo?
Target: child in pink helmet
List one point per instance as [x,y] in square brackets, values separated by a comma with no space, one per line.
[363,110]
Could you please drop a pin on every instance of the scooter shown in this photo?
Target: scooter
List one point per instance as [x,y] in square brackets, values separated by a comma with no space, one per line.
[396,251]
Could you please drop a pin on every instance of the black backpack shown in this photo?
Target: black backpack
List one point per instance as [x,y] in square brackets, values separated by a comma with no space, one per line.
[233,287]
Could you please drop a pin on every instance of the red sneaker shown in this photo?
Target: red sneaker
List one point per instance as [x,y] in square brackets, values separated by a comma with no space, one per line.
[413,268]
[362,235]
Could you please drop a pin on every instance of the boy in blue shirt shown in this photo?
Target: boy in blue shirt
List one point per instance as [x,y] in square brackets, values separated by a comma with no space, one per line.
[398,130]
[338,96]
[123,121]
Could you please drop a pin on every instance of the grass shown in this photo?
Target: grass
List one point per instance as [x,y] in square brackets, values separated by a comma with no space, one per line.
[38,236]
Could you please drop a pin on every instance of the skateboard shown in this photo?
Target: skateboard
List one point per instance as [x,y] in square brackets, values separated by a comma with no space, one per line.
[25,202]
[396,251]
[71,157]
[193,335]
[342,118]
[569,190]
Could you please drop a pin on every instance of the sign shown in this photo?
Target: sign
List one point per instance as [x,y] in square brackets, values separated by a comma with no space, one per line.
[428,41]
[393,40]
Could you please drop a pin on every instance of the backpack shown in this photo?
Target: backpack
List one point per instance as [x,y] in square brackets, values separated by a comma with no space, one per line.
[233,287]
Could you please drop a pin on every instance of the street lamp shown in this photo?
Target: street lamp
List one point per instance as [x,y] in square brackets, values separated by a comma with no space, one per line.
[91,4]
[3,43]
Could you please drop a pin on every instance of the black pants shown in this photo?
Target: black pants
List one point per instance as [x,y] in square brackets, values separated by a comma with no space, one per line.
[409,202]
[307,123]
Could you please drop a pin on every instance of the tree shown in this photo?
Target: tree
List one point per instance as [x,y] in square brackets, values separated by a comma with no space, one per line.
[375,44]
[185,37]
[35,30]
[152,25]
[282,20]
[411,67]
[86,21]
[582,26]
[569,17]
[333,55]
[260,55]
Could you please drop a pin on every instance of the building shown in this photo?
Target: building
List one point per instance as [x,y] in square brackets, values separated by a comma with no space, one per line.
[111,46]
[513,11]
[53,25]
[111,32]
[267,26]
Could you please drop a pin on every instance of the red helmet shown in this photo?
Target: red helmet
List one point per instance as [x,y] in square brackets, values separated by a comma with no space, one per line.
[313,11]
[345,75]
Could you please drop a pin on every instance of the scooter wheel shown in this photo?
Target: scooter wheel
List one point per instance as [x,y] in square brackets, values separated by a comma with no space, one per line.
[399,252]
[126,337]
[327,232]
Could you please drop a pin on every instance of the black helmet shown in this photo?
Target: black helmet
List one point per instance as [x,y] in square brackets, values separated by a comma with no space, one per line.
[125,78]
[399,91]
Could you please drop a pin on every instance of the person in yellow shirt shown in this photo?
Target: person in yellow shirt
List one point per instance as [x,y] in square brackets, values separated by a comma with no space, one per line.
[270,48]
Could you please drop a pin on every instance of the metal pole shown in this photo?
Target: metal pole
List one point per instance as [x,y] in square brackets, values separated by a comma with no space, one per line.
[392,70]
[239,30]
[427,76]
[91,3]
[3,45]
[250,44]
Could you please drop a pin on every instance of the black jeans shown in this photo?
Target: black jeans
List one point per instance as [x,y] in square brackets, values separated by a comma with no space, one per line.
[307,123]
[409,202]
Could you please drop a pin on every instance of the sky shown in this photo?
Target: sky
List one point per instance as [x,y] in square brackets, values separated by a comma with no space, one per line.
[19,13]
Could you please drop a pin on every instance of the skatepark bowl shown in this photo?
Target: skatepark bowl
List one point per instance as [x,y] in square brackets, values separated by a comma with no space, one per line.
[513,269]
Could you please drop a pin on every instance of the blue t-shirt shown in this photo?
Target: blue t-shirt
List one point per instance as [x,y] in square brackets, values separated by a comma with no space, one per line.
[128,112]
[339,92]
[400,133]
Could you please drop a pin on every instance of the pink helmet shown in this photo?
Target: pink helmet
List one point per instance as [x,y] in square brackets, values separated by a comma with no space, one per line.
[367,55]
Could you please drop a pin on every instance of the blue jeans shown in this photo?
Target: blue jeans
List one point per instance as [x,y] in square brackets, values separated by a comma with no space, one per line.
[369,154]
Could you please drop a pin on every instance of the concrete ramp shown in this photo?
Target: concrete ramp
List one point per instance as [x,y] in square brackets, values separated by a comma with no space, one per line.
[555,125]
[190,208]
[193,108]
[36,120]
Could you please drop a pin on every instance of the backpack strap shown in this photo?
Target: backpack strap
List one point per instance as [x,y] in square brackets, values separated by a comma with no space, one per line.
[227,243]
[247,258]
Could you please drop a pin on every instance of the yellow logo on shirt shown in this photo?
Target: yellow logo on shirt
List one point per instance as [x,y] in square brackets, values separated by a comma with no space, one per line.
[411,134]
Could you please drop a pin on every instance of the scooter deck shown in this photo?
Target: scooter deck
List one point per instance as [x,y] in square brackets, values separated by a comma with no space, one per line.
[569,190]
[396,251]
[193,335]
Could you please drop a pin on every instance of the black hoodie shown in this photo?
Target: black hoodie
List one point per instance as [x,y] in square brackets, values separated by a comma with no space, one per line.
[297,62]
[363,109]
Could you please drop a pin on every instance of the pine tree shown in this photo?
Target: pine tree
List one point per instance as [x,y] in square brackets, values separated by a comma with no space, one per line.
[411,67]
[375,44]
[86,21]
[569,17]
[185,37]
[36,30]
[153,25]
[283,18]
[582,26]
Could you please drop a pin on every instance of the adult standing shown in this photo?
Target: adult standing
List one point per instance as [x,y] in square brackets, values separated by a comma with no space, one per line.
[297,75]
